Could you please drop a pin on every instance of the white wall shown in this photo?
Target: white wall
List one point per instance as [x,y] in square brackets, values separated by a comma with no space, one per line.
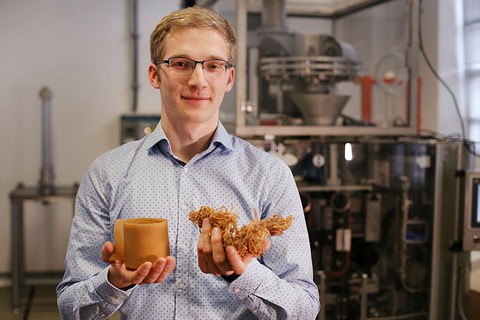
[81,50]
[380,30]
[451,64]
[444,48]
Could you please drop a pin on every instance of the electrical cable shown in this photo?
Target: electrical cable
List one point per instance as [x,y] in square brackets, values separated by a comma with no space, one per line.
[469,144]
[28,305]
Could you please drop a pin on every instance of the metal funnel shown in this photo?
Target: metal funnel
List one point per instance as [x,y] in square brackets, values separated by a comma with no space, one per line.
[319,108]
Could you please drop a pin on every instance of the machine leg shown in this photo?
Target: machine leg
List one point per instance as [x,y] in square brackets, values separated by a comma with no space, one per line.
[18,276]
[321,315]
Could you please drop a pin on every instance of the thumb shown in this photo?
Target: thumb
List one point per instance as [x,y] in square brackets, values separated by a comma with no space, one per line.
[107,250]
[266,244]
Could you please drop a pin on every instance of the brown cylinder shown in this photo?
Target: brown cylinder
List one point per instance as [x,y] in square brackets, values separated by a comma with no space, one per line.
[139,240]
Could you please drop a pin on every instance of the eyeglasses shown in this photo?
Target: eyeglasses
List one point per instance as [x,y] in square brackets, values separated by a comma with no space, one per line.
[186,66]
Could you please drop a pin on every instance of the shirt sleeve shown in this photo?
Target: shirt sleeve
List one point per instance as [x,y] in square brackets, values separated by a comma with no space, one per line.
[280,284]
[85,292]
[268,296]
[94,298]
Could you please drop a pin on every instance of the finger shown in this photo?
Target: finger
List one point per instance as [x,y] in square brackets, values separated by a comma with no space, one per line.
[267,244]
[203,248]
[205,236]
[238,264]
[202,262]
[140,274]
[168,267]
[155,270]
[107,251]
[218,251]
[205,253]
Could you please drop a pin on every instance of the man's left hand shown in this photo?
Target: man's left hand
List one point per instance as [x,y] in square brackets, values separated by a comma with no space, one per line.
[214,258]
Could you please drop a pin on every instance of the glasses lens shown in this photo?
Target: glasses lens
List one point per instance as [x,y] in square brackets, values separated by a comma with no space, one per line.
[215,66]
[181,65]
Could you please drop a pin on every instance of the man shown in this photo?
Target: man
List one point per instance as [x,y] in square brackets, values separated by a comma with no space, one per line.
[187,162]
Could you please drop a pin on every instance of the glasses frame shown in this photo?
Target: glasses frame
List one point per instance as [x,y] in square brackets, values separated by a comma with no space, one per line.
[228,64]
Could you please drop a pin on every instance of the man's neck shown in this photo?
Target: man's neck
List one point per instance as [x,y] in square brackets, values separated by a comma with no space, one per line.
[189,140]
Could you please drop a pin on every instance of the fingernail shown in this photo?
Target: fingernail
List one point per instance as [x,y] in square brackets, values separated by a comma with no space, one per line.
[215,231]
[206,223]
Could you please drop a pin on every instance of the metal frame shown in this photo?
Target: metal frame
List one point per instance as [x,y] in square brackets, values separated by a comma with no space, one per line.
[17,197]
[242,101]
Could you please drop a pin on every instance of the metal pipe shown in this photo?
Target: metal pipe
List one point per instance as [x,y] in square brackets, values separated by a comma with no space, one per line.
[46,184]
[135,36]
[460,260]
[364,297]
[241,64]
[412,62]
[323,294]
[274,15]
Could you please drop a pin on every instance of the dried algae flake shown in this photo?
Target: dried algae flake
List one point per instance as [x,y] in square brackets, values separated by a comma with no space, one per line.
[249,239]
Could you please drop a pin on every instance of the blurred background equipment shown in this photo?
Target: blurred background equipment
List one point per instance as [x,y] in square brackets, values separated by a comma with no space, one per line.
[135,126]
[46,182]
[384,218]
[297,73]
[45,193]
[384,205]
[294,83]
[391,76]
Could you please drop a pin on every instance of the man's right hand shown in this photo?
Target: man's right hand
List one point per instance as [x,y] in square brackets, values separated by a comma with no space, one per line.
[120,277]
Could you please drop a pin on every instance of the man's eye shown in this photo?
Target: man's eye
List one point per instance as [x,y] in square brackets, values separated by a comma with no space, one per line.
[214,66]
[180,64]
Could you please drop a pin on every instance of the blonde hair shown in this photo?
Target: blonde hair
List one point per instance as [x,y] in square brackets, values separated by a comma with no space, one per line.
[191,17]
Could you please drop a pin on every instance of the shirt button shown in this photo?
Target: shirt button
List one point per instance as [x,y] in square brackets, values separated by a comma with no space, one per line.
[185,170]
[236,290]
[183,206]
[182,285]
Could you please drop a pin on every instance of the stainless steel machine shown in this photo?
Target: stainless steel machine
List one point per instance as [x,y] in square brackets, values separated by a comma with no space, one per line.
[385,207]
[297,73]
[385,223]
[293,76]
[287,81]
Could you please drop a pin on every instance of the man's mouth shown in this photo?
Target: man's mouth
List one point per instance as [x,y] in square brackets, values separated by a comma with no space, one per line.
[193,98]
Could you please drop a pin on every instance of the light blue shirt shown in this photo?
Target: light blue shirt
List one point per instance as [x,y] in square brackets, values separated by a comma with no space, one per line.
[144,179]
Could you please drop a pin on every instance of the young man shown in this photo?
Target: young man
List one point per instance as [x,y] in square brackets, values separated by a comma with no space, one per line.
[187,162]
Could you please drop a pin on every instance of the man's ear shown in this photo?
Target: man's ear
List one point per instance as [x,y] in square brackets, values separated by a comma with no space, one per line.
[153,76]
[231,79]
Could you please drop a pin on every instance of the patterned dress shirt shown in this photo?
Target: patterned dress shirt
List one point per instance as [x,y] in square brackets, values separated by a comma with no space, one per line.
[144,179]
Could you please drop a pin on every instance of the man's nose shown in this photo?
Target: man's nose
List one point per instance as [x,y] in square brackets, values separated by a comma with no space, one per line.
[198,76]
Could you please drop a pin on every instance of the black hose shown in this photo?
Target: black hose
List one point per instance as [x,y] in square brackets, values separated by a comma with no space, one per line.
[31,294]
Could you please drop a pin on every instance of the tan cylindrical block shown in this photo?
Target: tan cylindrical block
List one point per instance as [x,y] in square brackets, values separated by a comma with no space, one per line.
[140,239]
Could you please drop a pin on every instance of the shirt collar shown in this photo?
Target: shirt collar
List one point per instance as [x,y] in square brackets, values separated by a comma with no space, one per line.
[220,138]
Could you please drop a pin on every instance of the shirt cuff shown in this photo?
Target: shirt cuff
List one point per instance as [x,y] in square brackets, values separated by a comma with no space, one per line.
[109,293]
[249,281]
